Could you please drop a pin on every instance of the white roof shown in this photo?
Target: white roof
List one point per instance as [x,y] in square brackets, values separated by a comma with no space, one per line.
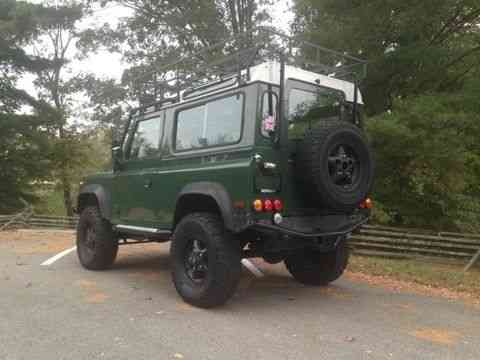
[270,72]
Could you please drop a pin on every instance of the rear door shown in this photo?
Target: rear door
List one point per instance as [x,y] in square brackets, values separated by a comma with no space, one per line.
[268,181]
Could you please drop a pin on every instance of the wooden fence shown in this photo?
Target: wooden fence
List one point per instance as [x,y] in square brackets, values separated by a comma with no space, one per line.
[33,221]
[370,241]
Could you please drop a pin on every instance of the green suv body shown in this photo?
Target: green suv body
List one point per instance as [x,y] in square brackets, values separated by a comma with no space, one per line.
[275,166]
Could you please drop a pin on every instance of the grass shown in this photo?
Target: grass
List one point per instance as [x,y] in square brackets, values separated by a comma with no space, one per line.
[450,276]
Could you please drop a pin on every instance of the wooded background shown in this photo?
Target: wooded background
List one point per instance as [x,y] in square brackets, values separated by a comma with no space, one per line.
[422,91]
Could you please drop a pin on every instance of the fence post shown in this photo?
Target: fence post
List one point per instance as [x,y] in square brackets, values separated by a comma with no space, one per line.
[472,262]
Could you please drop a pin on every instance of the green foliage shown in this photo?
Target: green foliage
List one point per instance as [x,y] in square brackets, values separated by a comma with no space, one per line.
[427,159]
[22,161]
[412,46]
[23,139]
[92,154]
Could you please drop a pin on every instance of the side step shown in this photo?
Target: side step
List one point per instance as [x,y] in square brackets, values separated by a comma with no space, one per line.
[143,233]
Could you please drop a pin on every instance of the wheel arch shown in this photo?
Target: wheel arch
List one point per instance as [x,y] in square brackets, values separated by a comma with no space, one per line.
[205,196]
[95,194]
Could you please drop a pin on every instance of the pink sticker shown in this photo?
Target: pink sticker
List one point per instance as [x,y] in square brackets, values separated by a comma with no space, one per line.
[269,123]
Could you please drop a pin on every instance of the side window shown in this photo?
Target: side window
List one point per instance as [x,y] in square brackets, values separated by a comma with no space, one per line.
[146,140]
[215,123]
[269,112]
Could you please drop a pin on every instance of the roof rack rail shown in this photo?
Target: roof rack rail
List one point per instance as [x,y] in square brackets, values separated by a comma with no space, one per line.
[206,70]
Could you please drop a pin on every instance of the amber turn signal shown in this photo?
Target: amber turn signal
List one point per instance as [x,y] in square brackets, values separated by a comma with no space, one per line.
[367,204]
[258,205]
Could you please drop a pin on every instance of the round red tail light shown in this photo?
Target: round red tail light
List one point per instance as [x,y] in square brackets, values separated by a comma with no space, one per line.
[278,205]
[268,205]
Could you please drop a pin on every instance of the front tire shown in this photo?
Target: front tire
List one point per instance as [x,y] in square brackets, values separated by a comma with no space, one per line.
[311,267]
[97,245]
[206,260]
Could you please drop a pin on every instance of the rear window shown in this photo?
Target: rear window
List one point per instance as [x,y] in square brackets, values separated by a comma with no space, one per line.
[309,107]
[216,123]
[327,102]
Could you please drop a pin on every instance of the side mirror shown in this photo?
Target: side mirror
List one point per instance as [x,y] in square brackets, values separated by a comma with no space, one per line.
[117,156]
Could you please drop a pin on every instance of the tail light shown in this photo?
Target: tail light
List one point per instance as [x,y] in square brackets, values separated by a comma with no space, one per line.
[258,205]
[267,205]
[278,205]
[367,204]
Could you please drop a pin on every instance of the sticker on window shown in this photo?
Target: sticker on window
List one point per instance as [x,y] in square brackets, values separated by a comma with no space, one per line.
[269,124]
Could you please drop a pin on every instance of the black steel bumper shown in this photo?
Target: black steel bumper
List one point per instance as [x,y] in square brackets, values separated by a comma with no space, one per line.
[315,227]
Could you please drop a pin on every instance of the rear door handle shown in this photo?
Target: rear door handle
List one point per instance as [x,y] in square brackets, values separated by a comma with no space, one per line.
[148,184]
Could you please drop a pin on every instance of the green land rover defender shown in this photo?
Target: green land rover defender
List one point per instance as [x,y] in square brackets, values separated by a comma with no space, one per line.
[269,162]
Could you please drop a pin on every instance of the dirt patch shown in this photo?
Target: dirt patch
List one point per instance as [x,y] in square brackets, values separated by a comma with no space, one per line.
[437,336]
[97,298]
[87,285]
[182,307]
[404,286]
[146,275]
[336,292]
[92,294]
[32,242]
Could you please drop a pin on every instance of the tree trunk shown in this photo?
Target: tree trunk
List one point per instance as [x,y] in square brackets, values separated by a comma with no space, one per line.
[67,195]
[65,181]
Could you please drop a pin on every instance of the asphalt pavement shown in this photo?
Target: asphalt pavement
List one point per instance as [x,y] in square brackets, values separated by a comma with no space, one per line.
[62,311]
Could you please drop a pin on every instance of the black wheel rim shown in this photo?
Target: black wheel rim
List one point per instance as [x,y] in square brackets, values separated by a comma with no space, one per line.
[343,166]
[88,240]
[196,261]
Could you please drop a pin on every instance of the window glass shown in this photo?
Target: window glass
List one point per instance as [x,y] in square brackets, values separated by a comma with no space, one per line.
[301,102]
[308,108]
[146,140]
[215,123]
[269,113]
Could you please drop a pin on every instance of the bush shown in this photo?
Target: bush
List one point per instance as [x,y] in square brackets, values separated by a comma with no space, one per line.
[428,161]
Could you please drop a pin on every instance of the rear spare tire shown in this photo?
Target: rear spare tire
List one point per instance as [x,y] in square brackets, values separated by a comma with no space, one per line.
[335,166]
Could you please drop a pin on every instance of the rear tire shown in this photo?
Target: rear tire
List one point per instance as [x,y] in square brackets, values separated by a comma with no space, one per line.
[316,268]
[206,260]
[97,245]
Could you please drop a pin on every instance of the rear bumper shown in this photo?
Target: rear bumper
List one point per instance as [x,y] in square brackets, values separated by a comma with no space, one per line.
[315,227]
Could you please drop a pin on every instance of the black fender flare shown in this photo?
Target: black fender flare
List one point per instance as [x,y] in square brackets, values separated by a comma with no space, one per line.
[103,196]
[215,191]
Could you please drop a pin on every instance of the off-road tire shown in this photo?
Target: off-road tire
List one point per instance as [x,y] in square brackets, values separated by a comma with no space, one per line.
[224,260]
[316,268]
[312,166]
[105,247]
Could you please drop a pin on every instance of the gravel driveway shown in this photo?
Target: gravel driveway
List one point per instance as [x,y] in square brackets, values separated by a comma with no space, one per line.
[133,312]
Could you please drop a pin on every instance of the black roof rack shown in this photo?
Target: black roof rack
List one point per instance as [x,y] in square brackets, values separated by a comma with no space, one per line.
[206,70]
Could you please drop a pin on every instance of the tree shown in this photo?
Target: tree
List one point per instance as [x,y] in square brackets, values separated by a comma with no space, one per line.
[412,46]
[23,139]
[428,160]
[161,32]
[59,33]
